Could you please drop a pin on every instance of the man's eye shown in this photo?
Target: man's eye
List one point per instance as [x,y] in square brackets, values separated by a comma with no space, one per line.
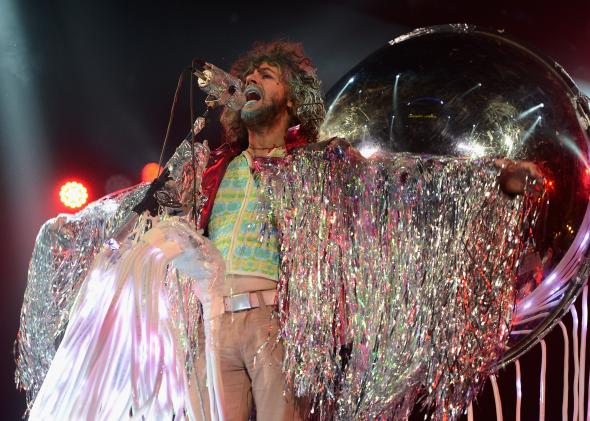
[266,76]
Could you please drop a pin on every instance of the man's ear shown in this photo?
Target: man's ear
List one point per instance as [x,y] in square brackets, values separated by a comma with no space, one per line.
[292,111]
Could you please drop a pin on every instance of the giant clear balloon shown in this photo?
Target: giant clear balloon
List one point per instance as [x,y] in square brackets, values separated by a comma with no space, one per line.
[457,90]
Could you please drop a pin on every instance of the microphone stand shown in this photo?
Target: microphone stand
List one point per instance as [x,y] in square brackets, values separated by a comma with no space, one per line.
[221,89]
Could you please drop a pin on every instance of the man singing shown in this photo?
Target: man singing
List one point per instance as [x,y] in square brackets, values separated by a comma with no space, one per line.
[125,364]
[282,91]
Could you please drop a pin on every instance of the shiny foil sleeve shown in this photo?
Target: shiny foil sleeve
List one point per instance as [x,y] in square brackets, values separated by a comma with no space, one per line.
[64,251]
[396,278]
[127,343]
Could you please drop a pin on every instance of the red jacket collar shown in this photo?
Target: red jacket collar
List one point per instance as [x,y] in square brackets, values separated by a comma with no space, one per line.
[220,158]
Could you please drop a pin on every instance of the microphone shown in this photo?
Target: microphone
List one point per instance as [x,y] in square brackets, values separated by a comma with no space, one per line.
[225,88]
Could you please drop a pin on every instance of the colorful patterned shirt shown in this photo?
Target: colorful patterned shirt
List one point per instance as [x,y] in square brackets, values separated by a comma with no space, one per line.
[235,225]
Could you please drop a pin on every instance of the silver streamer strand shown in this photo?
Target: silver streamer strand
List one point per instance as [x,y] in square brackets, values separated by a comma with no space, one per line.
[64,251]
[396,278]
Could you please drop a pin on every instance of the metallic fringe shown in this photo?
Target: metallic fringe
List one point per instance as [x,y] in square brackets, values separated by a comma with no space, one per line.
[396,279]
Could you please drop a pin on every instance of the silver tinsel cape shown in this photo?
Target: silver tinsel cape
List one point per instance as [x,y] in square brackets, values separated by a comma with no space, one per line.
[64,251]
[396,278]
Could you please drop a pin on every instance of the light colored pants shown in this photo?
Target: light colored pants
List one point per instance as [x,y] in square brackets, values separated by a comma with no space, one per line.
[250,360]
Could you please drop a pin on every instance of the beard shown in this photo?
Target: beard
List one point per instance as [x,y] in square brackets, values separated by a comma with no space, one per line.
[262,116]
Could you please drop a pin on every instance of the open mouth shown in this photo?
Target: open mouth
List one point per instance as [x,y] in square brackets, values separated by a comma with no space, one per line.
[253,94]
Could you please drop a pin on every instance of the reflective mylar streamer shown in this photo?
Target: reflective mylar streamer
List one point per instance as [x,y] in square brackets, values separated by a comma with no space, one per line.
[518,390]
[396,279]
[566,354]
[122,353]
[64,251]
[576,349]
[497,398]
[542,386]
[584,331]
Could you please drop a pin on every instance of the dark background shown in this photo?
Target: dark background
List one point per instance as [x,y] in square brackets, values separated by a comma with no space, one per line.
[86,89]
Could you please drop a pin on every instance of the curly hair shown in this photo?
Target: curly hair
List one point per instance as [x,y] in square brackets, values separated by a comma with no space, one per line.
[303,86]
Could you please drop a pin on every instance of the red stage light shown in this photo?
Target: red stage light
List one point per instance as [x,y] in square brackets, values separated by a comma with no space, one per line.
[73,194]
[150,172]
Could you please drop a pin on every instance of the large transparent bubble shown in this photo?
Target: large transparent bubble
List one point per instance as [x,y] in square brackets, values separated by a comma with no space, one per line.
[460,91]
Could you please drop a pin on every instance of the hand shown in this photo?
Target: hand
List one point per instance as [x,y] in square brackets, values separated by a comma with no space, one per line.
[149,201]
[336,147]
[514,175]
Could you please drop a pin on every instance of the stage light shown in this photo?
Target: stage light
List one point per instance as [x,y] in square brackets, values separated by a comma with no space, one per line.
[150,172]
[73,194]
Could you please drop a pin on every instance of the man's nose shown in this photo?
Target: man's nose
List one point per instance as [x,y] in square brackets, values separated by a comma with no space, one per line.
[251,78]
